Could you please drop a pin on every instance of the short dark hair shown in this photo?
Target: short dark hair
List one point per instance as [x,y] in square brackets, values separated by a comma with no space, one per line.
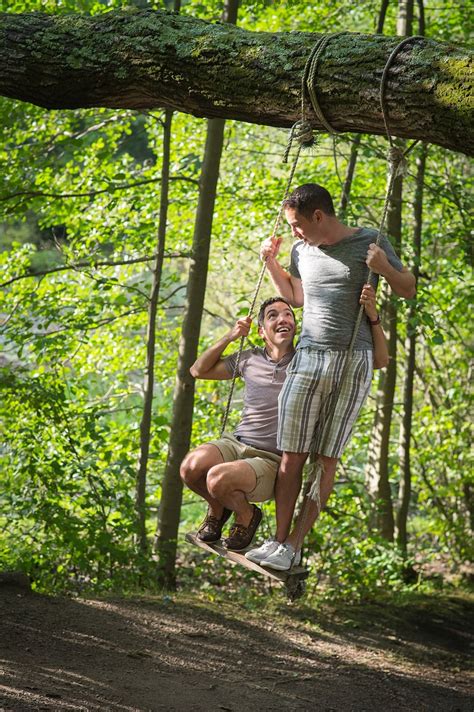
[266,303]
[310,197]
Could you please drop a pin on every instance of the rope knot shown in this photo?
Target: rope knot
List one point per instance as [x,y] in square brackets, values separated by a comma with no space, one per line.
[304,133]
[397,161]
[301,131]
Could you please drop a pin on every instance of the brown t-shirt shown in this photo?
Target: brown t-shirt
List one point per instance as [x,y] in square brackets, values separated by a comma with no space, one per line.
[263,379]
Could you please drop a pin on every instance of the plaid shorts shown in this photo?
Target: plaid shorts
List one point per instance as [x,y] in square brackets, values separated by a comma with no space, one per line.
[308,397]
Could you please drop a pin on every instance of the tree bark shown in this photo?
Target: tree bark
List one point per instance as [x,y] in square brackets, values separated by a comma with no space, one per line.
[404,492]
[347,187]
[149,379]
[183,398]
[378,467]
[143,59]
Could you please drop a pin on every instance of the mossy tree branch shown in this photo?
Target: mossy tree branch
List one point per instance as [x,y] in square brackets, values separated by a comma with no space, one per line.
[143,59]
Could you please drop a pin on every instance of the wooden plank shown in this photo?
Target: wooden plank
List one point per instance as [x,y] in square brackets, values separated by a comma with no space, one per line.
[238,557]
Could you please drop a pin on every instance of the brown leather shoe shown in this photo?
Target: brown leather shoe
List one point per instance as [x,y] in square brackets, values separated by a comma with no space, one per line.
[239,536]
[211,528]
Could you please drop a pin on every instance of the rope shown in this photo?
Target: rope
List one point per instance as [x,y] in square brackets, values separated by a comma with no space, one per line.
[383,82]
[396,158]
[299,131]
[308,81]
[302,132]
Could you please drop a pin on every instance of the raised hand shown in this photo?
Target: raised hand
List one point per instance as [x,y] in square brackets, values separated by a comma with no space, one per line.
[240,328]
[377,260]
[270,247]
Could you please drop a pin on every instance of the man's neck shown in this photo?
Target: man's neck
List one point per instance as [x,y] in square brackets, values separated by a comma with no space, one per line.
[276,353]
[335,231]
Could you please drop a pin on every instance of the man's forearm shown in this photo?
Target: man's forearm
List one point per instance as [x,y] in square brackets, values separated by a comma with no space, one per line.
[402,283]
[210,357]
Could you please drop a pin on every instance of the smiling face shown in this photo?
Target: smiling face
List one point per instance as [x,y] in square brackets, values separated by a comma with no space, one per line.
[278,328]
[304,228]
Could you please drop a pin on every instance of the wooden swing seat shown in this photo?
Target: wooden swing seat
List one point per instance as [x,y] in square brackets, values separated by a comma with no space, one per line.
[238,557]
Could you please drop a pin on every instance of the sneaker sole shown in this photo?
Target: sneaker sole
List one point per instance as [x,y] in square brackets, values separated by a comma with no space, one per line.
[278,567]
[275,567]
[255,560]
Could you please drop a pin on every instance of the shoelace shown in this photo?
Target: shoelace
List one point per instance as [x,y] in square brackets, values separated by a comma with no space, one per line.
[285,549]
[267,544]
[237,529]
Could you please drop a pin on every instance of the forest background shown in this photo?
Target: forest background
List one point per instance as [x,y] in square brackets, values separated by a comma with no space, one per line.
[100,227]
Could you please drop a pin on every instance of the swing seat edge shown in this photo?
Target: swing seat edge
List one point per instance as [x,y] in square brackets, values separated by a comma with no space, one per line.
[238,557]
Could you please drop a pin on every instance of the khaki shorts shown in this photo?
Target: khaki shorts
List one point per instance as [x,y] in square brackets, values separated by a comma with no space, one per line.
[265,464]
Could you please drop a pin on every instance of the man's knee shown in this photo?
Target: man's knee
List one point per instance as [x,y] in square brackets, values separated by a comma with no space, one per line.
[218,482]
[191,468]
[292,464]
[328,466]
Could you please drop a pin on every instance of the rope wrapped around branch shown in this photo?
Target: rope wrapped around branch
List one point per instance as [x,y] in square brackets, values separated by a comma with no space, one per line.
[398,166]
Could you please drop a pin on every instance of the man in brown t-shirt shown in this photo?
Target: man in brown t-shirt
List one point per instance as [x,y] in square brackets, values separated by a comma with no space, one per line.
[240,468]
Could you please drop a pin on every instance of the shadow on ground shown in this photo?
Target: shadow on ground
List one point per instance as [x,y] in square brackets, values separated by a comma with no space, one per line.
[183,654]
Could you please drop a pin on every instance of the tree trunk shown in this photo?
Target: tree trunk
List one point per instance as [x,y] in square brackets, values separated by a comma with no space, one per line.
[183,398]
[404,491]
[378,467]
[346,188]
[143,59]
[379,460]
[149,380]
[405,17]
[382,13]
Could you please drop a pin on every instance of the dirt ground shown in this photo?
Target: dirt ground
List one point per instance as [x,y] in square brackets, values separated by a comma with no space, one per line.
[187,653]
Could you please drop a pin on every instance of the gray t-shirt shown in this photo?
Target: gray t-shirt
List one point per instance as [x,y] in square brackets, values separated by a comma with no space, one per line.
[332,278]
[263,379]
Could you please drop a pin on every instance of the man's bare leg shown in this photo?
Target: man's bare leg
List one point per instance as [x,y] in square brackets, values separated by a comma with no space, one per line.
[310,512]
[287,489]
[194,469]
[229,483]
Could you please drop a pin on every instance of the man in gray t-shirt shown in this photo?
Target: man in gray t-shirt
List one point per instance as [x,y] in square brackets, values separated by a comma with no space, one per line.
[240,468]
[329,266]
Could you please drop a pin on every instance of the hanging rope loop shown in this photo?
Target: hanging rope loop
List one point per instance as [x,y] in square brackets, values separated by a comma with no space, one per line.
[314,481]
[302,132]
[384,80]
[308,82]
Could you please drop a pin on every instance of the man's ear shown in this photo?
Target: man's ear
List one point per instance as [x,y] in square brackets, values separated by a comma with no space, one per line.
[261,333]
[317,215]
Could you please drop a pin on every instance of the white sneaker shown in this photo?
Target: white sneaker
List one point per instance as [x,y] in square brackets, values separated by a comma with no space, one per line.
[261,553]
[282,558]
